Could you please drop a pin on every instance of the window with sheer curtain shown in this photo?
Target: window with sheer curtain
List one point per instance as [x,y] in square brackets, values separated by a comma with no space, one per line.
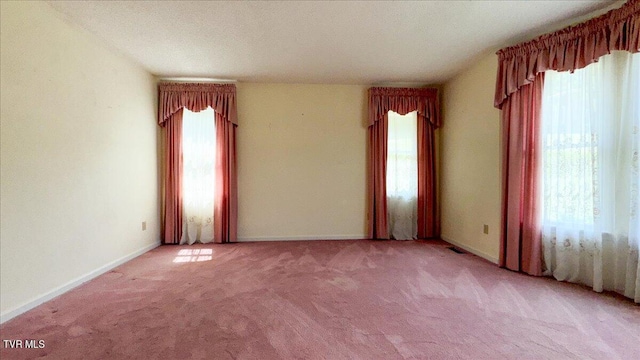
[590,177]
[402,175]
[199,174]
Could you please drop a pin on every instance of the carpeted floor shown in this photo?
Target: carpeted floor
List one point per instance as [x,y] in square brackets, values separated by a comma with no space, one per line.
[325,300]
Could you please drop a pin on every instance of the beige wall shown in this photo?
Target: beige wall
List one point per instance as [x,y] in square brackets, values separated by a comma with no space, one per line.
[470,160]
[301,161]
[78,156]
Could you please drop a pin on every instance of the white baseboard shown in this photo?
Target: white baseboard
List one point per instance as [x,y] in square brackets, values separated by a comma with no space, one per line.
[10,314]
[470,249]
[306,237]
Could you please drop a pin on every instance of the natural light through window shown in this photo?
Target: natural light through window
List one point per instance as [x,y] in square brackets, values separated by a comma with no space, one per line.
[402,156]
[587,140]
[402,175]
[193,255]
[591,173]
[199,175]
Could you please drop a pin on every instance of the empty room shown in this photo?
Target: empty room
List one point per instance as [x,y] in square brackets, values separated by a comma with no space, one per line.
[320,179]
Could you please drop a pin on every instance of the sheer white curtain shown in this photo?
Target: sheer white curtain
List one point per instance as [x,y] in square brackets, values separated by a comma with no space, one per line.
[590,177]
[402,175]
[199,155]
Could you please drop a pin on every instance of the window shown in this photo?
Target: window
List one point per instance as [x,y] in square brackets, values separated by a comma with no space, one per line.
[199,174]
[402,175]
[590,173]
[589,139]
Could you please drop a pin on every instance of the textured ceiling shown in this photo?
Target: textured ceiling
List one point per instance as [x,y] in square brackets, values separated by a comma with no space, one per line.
[316,42]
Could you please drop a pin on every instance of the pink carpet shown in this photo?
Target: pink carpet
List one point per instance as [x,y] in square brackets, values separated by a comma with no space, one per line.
[325,300]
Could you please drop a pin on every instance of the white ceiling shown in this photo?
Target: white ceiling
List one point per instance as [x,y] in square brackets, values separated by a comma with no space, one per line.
[375,42]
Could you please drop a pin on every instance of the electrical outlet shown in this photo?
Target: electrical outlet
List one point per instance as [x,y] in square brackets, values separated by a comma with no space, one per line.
[486,229]
[144,225]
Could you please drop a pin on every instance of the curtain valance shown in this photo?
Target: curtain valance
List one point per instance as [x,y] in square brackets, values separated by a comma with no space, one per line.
[403,101]
[568,49]
[197,97]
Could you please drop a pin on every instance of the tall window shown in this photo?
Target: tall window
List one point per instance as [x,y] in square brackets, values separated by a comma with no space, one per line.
[590,177]
[402,175]
[199,156]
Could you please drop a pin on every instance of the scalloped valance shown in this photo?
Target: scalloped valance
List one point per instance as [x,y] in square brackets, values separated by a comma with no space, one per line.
[197,97]
[568,49]
[403,101]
